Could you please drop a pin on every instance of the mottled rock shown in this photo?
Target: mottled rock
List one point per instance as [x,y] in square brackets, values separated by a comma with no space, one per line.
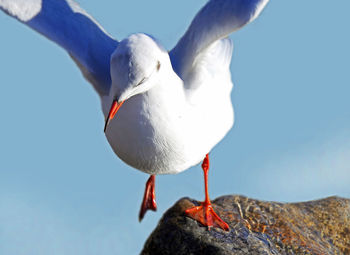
[256,227]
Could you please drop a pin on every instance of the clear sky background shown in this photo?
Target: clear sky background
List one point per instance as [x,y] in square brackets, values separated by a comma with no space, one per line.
[62,189]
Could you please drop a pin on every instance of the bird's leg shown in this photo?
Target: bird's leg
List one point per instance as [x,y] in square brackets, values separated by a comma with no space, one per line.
[205,213]
[149,198]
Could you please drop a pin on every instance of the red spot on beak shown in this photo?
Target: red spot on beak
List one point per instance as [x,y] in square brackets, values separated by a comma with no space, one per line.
[112,112]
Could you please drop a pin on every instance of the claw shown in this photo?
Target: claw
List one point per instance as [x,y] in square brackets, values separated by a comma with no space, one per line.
[206,215]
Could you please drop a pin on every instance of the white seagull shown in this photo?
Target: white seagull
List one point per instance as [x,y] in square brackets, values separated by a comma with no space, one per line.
[173,106]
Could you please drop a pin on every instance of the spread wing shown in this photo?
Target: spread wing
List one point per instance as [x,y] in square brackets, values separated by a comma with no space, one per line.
[65,23]
[215,21]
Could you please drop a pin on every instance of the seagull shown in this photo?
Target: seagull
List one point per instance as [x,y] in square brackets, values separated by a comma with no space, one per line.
[164,110]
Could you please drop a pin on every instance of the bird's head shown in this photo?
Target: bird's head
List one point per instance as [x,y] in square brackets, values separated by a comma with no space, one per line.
[136,66]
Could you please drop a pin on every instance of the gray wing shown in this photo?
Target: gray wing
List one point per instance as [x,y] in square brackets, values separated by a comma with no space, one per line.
[68,25]
[215,21]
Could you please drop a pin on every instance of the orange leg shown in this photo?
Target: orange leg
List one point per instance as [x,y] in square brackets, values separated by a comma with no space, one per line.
[149,198]
[205,213]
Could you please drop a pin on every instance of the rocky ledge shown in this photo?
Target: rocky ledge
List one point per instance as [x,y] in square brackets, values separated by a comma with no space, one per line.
[256,227]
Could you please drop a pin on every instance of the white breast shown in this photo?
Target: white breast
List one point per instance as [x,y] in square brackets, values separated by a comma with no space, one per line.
[163,131]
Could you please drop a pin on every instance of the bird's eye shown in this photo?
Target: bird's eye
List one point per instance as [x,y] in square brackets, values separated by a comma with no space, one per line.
[158,65]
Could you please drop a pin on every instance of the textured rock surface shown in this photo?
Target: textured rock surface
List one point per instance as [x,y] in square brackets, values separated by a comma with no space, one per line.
[256,227]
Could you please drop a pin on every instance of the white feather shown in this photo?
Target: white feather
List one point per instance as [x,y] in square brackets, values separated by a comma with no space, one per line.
[68,25]
[177,106]
[23,10]
[216,20]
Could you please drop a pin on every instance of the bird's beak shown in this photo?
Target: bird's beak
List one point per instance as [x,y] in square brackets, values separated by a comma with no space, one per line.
[114,108]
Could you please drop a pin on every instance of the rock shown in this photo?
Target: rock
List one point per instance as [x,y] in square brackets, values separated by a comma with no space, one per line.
[256,227]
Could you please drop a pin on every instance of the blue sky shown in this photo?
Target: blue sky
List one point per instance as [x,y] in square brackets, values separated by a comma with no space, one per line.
[62,189]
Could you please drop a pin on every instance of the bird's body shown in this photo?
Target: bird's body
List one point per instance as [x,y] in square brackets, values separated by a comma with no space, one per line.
[173,106]
[169,128]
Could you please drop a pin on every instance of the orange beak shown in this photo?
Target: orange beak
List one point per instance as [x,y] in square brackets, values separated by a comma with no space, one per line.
[112,112]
